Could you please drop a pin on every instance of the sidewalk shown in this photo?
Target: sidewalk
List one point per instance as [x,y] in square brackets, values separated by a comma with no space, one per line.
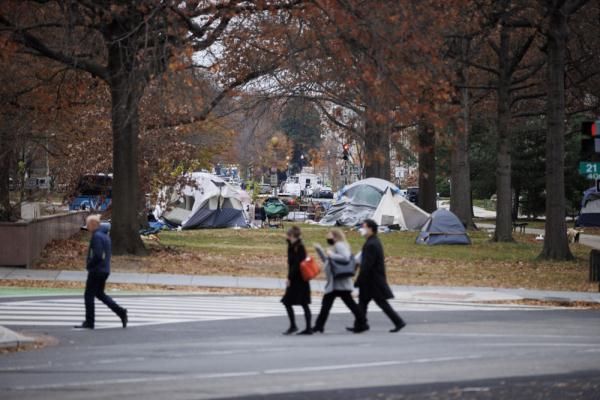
[406,293]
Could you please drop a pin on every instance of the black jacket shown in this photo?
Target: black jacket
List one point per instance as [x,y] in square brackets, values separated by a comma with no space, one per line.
[371,279]
[298,292]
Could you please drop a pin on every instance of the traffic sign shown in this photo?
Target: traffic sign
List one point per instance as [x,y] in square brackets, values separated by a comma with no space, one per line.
[591,170]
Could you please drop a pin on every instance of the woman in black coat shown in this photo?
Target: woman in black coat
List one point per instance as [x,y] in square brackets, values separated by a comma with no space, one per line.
[297,292]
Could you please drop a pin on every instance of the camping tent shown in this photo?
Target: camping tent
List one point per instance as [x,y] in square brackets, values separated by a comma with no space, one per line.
[589,215]
[443,227]
[394,209]
[377,199]
[208,202]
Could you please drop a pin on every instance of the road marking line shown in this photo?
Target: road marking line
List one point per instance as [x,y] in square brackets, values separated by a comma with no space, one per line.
[498,335]
[368,365]
[543,344]
[164,378]
[283,371]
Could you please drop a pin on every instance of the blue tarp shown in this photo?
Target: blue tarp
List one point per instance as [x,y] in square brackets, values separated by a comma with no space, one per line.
[88,202]
[221,218]
[589,215]
[443,227]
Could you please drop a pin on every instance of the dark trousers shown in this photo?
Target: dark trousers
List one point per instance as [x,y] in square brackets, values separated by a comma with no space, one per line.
[363,304]
[292,317]
[94,288]
[327,303]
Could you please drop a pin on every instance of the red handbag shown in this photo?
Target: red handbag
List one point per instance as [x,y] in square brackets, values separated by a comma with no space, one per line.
[309,268]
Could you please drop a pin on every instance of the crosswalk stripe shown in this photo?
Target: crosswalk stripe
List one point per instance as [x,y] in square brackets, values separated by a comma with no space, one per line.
[153,310]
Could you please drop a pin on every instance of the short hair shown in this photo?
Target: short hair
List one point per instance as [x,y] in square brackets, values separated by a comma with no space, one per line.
[294,231]
[338,235]
[93,218]
[371,225]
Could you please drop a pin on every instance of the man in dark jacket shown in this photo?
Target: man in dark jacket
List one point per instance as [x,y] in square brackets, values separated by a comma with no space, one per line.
[372,281]
[98,267]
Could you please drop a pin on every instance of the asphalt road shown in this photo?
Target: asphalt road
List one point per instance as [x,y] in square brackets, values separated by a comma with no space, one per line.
[468,354]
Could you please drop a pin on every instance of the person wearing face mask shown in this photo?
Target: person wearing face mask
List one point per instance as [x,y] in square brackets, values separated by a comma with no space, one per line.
[297,292]
[371,280]
[339,250]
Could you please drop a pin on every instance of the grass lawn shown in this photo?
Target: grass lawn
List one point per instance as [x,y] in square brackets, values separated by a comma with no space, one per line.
[263,253]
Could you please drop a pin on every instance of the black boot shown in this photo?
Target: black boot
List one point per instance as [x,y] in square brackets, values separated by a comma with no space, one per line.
[124,318]
[290,330]
[84,325]
[358,328]
[398,328]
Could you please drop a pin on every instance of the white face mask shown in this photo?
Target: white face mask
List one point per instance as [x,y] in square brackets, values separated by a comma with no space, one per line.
[362,231]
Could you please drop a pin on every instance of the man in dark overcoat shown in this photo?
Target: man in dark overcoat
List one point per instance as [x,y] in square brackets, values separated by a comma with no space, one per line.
[371,280]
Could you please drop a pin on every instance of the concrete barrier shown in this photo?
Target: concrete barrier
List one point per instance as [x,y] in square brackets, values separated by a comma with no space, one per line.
[21,243]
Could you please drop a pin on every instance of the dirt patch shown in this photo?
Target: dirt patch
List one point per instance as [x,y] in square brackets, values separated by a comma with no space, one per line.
[40,341]
[262,254]
[569,276]
[70,255]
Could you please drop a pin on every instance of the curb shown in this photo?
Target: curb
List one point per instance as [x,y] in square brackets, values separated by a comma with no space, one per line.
[9,339]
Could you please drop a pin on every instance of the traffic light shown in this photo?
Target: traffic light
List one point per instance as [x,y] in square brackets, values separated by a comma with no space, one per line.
[346,152]
[590,140]
[590,129]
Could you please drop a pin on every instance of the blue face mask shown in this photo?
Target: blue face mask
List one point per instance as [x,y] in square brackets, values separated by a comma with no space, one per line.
[363,231]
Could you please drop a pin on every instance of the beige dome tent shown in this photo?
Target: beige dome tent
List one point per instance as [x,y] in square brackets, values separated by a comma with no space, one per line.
[397,210]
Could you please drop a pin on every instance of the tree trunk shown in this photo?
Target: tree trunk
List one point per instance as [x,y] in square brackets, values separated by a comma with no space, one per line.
[377,149]
[125,96]
[460,179]
[427,188]
[503,231]
[556,246]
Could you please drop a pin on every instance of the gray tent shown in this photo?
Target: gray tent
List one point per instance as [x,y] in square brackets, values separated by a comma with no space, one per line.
[443,227]
[376,199]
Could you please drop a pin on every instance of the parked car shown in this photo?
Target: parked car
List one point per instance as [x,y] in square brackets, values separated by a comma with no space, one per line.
[265,189]
[324,192]
[94,192]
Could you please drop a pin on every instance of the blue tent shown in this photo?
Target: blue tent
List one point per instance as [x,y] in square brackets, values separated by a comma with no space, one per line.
[589,215]
[443,227]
